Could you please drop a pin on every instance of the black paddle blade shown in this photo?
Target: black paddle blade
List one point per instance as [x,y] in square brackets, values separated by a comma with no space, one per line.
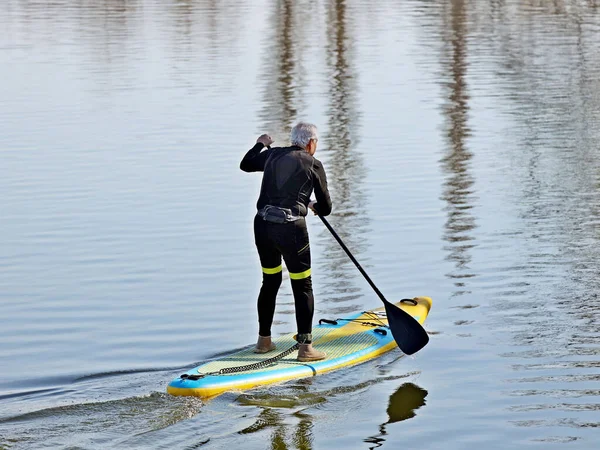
[408,333]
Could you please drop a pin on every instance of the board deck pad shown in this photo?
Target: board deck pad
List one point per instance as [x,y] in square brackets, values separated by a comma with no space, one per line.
[349,342]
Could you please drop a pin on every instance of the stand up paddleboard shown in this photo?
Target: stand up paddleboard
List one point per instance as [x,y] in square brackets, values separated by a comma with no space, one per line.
[347,342]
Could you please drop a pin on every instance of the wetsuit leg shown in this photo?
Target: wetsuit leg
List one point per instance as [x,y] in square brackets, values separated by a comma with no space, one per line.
[295,248]
[270,260]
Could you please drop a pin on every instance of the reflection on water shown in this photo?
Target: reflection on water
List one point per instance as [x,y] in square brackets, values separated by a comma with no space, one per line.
[554,123]
[296,428]
[404,402]
[402,406]
[550,95]
[281,436]
[345,166]
[282,71]
[458,188]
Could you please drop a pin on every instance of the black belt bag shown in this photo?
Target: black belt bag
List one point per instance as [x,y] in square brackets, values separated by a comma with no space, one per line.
[276,214]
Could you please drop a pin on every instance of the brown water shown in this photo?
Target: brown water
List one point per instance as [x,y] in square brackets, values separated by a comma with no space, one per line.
[461,141]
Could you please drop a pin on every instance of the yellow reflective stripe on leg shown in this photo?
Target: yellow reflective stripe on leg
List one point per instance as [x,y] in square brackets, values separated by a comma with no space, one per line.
[300,275]
[272,271]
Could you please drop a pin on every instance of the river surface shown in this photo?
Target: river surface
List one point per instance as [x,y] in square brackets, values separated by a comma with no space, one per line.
[461,139]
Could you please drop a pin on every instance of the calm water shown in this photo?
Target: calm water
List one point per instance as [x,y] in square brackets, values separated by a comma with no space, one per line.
[461,141]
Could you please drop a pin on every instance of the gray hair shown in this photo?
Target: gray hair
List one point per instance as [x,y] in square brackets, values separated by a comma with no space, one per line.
[302,133]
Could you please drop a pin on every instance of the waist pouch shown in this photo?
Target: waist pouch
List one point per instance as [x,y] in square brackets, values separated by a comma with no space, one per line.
[276,214]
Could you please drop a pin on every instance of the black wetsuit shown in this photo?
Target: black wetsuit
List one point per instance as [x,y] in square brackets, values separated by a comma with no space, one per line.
[290,176]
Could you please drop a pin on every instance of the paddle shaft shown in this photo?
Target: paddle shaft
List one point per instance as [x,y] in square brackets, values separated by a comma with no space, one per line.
[351,256]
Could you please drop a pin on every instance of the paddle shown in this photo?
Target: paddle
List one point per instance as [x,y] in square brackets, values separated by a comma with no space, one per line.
[408,333]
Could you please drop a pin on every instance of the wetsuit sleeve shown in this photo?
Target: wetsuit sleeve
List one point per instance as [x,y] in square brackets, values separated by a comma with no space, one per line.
[323,205]
[254,160]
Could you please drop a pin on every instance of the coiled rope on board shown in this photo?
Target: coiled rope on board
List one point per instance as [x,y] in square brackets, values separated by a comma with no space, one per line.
[246,368]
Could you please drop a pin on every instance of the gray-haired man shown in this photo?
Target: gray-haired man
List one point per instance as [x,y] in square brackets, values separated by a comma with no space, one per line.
[290,176]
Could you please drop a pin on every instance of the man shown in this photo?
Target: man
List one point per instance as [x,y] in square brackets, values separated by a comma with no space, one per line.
[290,176]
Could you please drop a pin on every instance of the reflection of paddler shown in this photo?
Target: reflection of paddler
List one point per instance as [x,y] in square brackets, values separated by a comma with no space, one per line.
[290,176]
[404,402]
[402,406]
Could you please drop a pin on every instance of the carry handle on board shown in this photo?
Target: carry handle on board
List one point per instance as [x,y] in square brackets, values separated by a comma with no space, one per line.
[407,332]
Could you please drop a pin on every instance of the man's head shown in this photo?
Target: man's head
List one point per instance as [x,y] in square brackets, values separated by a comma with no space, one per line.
[305,135]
